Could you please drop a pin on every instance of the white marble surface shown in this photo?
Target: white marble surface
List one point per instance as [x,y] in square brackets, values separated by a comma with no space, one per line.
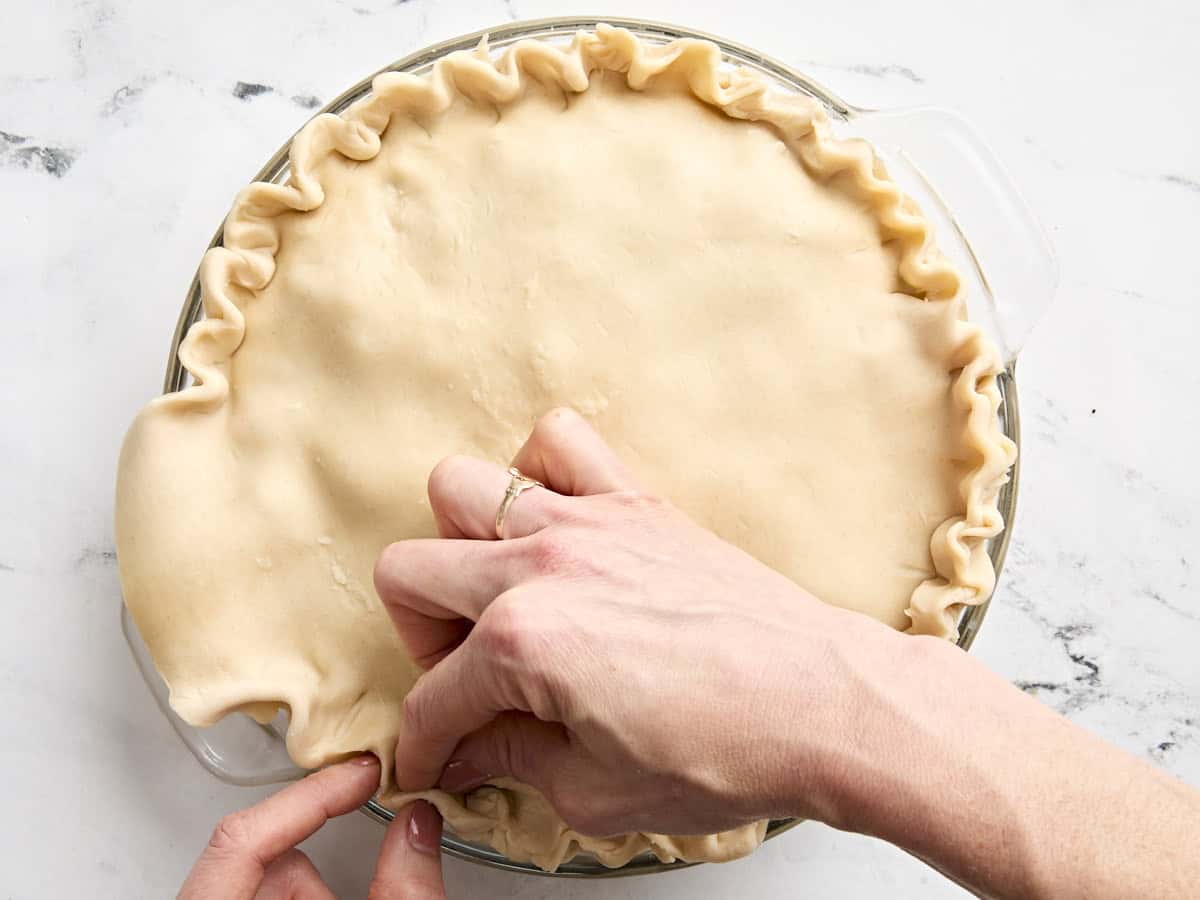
[123,138]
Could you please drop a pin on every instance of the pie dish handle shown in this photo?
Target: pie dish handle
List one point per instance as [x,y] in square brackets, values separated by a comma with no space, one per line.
[1007,247]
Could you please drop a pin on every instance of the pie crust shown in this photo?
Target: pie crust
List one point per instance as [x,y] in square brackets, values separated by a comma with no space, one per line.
[744,305]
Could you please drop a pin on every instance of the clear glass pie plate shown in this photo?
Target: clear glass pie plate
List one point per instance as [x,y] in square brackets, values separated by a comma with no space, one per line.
[982,224]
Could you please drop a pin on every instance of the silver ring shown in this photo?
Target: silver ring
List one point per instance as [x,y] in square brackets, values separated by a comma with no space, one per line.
[516,487]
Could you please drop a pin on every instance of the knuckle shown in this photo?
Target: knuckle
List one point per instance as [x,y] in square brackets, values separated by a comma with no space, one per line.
[639,502]
[551,552]
[522,640]
[232,833]
[505,628]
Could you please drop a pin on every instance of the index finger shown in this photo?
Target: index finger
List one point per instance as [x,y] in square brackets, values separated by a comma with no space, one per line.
[246,842]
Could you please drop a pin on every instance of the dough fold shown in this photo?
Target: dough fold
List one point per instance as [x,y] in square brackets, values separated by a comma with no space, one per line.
[517,821]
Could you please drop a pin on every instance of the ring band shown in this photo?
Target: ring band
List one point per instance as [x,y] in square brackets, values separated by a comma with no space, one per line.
[516,487]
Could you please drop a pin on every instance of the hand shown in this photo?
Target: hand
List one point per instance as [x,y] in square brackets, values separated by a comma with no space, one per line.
[252,853]
[647,676]
[640,672]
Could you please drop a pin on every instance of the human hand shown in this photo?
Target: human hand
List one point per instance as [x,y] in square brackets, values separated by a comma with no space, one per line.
[252,852]
[645,675]
[640,672]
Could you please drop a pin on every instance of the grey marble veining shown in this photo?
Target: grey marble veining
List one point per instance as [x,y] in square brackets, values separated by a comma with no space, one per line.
[871,70]
[125,130]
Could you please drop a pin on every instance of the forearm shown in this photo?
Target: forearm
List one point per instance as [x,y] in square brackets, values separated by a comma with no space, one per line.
[946,760]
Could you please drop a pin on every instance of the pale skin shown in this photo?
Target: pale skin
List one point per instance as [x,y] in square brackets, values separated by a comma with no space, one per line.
[617,656]
[252,853]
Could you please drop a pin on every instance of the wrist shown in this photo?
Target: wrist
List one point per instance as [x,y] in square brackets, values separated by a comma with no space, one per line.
[898,743]
[865,734]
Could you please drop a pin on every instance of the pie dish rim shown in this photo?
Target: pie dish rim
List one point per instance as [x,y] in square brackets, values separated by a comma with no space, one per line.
[277,169]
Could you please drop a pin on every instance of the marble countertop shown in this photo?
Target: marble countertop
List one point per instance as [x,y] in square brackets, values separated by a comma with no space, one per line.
[126,128]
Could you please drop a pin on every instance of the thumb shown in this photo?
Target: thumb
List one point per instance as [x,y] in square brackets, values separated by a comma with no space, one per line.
[514,743]
[410,858]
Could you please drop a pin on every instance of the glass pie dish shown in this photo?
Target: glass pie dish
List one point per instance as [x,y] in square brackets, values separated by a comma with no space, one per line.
[921,148]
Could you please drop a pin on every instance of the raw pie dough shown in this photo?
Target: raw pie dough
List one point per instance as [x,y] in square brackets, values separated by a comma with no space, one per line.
[746,308]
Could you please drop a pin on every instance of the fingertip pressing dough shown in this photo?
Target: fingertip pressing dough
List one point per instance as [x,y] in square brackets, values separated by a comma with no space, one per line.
[746,307]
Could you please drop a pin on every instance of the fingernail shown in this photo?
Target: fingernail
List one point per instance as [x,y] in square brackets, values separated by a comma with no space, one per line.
[425,828]
[461,776]
[367,759]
